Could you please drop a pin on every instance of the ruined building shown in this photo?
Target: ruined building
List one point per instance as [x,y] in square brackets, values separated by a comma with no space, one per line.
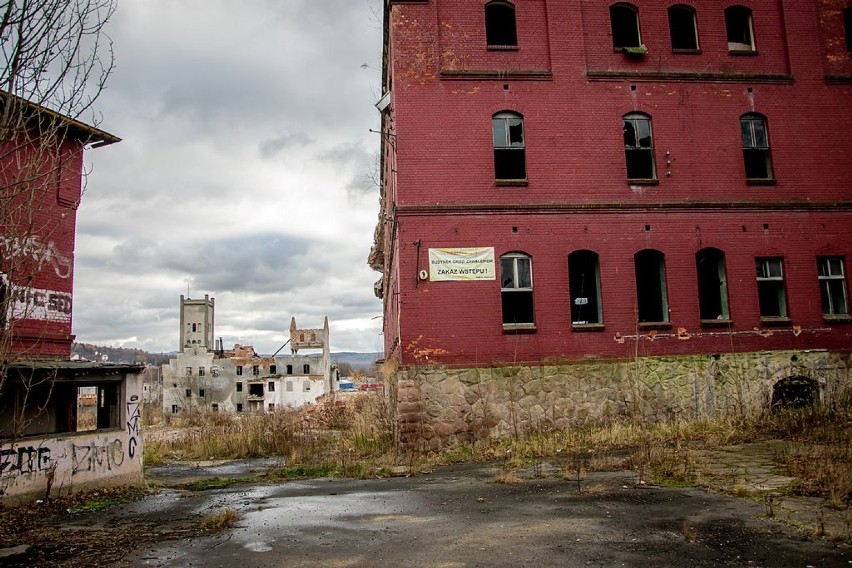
[205,377]
[594,209]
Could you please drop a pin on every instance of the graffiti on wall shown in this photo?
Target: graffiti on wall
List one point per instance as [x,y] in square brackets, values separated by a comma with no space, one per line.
[23,460]
[133,432]
[38,304]
[33,248]
[96,457]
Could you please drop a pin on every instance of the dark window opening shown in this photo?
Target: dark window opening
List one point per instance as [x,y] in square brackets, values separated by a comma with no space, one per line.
[255,370]
[624,19]
[175,409]
[188,393]
[271,386]
[651,295]
[738,23]
[712,284]
[271,406]
[794,392]
[509,147]
[239,407]
[770,287]
[306,368]
[201,371]
[847,25]
[272,369]
[832,286]
[639,147]
[201,392]
[516,289]
[758,162]
[239,387]
[239,369]
[189,371]
[214,407]
[585,287]
[683,28]
[289,369]
[256,389]
[500,28]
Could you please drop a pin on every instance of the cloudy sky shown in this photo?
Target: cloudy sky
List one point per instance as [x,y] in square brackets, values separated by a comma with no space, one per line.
[244,173]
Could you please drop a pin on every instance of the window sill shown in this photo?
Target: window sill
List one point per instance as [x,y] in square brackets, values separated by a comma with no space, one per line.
[837,318]
[519,328]
[643,181]
[655,325]
[776,321]
[716,322]
[686,51]
[511,183]
[586,327]
[757,181]
[501,47]
[743,52]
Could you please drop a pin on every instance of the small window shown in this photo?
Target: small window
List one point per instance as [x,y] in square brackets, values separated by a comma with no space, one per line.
[756,156]
[650,268]
[271,386]
[188,393]
[584,281]
[194,327]
[289,369]
[306,386]
[201,392]
[272,369]
[255,389]
[516,290]
[189,371]
[306,368]
[624,19]
[175,409]
[214,407]
[289,386]
[201,371]
[832,286]
[174,385]
[271,406]
[500,28]
[847,25]
[639,147]
[712,284]
[239,387]
[770,287]
[738,23]
[683,28]
[509,149]
[239,369]
[255,370]
[239,407]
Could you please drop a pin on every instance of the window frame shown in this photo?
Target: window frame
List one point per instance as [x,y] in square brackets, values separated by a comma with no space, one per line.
[733,27]
[753,146]
[766,283]
[847,28]
[510,157]
[516,289]
[715,267]
[651,290]
[501,25]
[581,263]
[618,11]
[633,152]
[829,282]
[683,11]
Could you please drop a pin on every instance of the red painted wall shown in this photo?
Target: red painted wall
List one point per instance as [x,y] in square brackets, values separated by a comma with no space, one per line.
[572,90]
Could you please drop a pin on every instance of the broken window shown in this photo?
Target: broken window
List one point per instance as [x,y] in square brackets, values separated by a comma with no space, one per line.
[255,389]
[255,370]
[712,284]
[651,294]
[239,369]
[189,371]
[832,286]
[239,387]
[738,23]
[509,150]
[639,147]
[239,407]
[758,163]
[271,386]
[188,393]
[683,27]
[584,281]
[770,287]
[289,369]
[306,368]
[516,289]
[624,19]
[272,369]
[500,29]
[847,25]
[200,371]
[108,408]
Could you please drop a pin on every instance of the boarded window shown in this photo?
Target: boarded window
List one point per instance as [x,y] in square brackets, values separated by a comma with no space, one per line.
[624,19]
[651,294]
[509,147]
[500,29]
[832,286]
[712,284]
[683,28]
[584,284]
[770,287]
[516,289]
[639,147]
[738,24]
[756,156]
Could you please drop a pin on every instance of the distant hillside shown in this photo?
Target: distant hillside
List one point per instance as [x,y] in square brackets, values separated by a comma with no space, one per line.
[356,360]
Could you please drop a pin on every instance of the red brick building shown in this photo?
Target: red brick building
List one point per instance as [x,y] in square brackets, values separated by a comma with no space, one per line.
[625,180]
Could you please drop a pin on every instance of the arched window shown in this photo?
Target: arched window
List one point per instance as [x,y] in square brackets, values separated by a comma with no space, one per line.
[652,300]
[740,29]
[639,147]
[712,284]
[516,289]
[756,156]
[509,148]
[194,327]
[500,28]
[624,19]
[683,27]
[584,282]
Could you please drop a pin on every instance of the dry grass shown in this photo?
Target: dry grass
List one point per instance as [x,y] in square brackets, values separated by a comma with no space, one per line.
[508,477]
[219,521]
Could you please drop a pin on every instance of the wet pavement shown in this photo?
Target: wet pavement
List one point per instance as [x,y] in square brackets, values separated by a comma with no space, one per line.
[462,517]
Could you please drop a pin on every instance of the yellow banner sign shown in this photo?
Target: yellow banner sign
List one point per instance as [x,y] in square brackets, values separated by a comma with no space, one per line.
[475,263]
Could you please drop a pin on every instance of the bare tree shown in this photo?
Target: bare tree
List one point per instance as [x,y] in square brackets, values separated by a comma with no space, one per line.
[55,59]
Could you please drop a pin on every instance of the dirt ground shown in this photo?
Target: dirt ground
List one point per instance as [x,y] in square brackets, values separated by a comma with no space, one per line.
[456,516]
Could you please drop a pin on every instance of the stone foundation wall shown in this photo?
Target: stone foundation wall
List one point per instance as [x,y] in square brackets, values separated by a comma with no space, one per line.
[443,407]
